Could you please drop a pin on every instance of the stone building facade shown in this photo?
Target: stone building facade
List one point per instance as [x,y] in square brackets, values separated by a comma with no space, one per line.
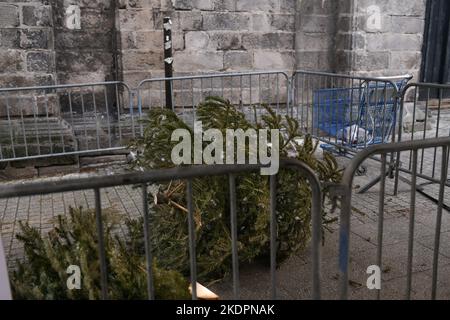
[71,41]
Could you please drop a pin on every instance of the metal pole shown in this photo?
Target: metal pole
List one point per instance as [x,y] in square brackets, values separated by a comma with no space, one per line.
[168,59]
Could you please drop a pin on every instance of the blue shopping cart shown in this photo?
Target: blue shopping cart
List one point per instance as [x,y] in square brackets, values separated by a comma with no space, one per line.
[356,117]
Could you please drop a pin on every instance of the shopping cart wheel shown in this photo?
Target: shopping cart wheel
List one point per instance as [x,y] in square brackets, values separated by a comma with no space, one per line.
[361,171]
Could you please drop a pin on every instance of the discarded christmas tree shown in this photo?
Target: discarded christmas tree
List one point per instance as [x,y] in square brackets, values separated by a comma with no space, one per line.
[74,241]
[211,194]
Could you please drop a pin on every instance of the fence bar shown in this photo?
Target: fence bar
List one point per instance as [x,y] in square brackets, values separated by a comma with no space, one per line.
[438,122]
[444,171]
[381,215]
[23,131]
[101,245]
[191,226]
[107,117]
[234,235]
[48,122]
[36,130]
[344,243]
[11,134]
[412,215]
[148,248]
[83,114]
[116,90]
[316,215]
[273,235]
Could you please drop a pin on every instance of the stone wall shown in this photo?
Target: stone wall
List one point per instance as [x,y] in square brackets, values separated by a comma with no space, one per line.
[208,36]
[387,37]
[122,39]
[85,53]
[316,34]
[26,43]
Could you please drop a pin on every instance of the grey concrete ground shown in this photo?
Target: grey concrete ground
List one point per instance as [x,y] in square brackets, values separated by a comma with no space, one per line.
[293,277]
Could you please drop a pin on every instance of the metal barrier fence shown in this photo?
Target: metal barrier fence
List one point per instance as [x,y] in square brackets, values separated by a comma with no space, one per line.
[248,91]
[38,122]
[188,173]
[345,192]
[423,114]
[48,121]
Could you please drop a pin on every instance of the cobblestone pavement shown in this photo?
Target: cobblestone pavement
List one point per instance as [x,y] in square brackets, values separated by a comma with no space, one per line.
[293,276]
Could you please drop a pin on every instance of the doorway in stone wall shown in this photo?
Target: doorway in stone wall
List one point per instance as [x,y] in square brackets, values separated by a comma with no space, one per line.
[436,48]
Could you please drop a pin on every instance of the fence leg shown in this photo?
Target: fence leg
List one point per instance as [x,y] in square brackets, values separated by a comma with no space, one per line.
[344,243]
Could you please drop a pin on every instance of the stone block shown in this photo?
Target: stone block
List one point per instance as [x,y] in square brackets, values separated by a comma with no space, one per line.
[187,21]
[196,40]
[394,42]
[89,161]
[408,25]
[99,75]
[288,5]
[372,61]
[25,80]
[258,5]
[20,173]
[128,40]
[10,38]
[314,41]
[323,7]
[35,39]
[178,41]
[37,16]
[266,60]
[9,15]
[83,61]
[205,5]
[46,162]
[348,41]
[101,5]
[406,60]
[317,24]
[313,60]
[283,22]
[225,5]
[182,4]
[143,4]
[96,19]
[136,20]
[226,21]
[225,41]
[151,40]
[407,8]
[75,41]
[142,60]
[345,7]
[280,41]
[11,61]
[57,170]
[238,60]
[40,61]
[261,22]
[343,61]
[198,62]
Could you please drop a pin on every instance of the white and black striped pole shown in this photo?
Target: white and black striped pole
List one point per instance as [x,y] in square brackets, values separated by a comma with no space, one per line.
[168,59]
